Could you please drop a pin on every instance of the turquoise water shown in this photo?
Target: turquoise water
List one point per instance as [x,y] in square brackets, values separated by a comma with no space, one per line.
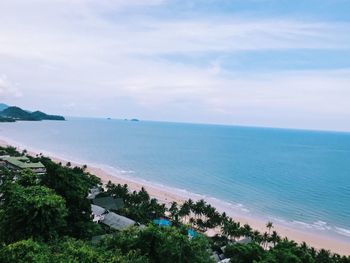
[296,177]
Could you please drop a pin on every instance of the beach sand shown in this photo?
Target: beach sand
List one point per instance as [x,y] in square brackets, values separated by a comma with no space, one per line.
[167,195]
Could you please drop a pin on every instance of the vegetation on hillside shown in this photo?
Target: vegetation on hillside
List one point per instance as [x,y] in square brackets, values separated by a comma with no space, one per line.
[47,218]
[13,113]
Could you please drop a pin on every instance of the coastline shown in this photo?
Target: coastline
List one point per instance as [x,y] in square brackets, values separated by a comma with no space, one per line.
[167,194]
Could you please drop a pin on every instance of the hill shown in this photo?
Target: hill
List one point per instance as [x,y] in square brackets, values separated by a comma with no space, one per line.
[3,106]
[14,113]
[43,116]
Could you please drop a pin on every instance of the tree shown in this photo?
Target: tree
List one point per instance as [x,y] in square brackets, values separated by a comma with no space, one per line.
[269,225]
[275,238]
[31,212]
[174,211]
[25,251]
[9,150]
[77,251]
[27,178]
[266,239]
[257,237]
[185,210]
[73,184]
[120,191]
[244,253]
[323,256]
[231,229]
[247,230]
[166,245]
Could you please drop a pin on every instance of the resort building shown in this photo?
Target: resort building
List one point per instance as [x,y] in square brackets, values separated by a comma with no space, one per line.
[109,203]
[21,163]
[110,219]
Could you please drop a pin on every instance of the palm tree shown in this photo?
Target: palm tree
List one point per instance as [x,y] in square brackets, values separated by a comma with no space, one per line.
[191,205]
[231,229]
[247,230]
[214,219]
[223,217]
[266,238]
[143,195]
[192,221]
[225,228]
[269,225]
[185,210]
[199,208]
[257,237]
[323,256]
[174,211]
[275,238]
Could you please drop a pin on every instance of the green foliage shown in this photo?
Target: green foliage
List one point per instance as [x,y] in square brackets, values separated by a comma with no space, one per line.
[65,251]
[25,251]
[240,253]
[27,178]
[14,113]
[160,244]
[31,212]
[77,251]
[73,185]
[9,150]
[138,205]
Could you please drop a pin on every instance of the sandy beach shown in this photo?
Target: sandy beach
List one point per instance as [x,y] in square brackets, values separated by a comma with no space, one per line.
[167,195]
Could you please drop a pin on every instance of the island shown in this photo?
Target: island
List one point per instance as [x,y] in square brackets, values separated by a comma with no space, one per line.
[135,120]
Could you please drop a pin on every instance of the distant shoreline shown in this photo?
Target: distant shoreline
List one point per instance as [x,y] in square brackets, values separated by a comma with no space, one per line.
[168,194]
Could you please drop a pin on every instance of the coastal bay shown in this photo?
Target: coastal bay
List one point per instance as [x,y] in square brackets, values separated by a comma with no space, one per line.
[166,194]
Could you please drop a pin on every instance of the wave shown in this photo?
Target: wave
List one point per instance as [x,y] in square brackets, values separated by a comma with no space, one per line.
[343,231]
[221,205]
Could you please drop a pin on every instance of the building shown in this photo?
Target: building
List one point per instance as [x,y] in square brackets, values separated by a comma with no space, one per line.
[109,203]
[21,163]
[116,221]
[113,220]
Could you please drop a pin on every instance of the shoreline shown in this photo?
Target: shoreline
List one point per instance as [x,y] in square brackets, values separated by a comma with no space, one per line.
[167,195]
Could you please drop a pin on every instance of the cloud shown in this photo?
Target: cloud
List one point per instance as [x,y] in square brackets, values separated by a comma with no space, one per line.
[98,29]
[7,88]
[108,56]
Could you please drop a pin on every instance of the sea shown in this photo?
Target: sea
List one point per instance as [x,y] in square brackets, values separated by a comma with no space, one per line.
[298,178]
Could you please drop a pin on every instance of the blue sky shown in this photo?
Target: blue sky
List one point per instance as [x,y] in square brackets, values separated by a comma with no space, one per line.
[248,62]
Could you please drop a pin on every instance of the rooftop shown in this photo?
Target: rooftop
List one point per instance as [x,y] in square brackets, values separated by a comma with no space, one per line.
[97,210]
[116,221]
[22,162]
[109,203]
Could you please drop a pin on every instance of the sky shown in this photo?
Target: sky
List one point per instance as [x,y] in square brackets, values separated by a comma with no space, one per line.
[276,63]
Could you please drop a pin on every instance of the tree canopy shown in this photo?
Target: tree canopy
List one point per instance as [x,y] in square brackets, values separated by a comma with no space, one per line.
[31,212]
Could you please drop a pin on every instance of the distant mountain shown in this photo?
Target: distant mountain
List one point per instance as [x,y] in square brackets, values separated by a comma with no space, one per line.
[17,113]
[3,106]
[14,113]
[43,116]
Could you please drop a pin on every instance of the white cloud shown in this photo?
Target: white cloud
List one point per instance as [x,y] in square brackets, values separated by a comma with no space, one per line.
[107,52]
[7,88]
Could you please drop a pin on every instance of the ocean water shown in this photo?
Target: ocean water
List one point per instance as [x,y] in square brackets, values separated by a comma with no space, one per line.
[295,177]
